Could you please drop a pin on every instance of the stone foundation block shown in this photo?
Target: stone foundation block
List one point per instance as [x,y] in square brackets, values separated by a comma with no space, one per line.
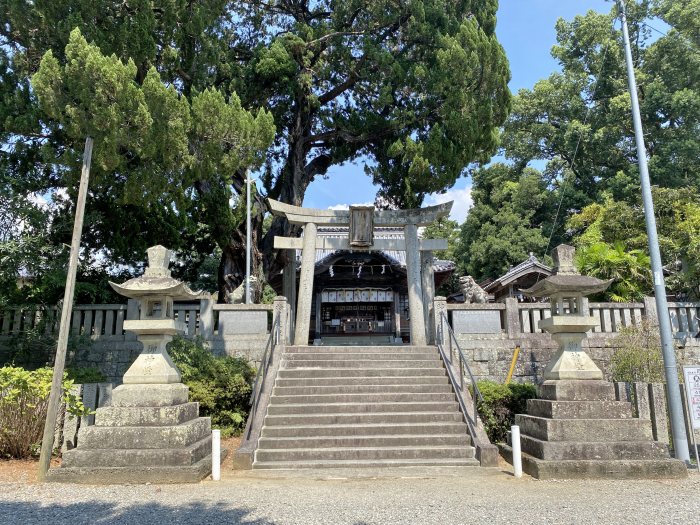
[175,457]
[150,395]
[606,430]
[145,437]
[579,409]
[572,450]
[574,390]
[146,416]
[116,475]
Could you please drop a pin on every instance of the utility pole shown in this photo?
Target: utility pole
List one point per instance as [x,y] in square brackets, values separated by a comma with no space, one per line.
[680,439]
[247,239]
[64,328]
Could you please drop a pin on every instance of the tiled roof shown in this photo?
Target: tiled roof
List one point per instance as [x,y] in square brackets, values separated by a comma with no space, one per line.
[516,271]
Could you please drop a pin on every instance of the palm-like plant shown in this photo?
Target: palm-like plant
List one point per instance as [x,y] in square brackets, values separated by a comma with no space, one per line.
[630,270]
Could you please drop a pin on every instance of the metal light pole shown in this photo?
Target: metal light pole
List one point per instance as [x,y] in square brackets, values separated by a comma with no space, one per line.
[247,239]
[680,439]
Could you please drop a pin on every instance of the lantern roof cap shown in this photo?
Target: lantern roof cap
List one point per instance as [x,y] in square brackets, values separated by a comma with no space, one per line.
[566,279]
[156,280]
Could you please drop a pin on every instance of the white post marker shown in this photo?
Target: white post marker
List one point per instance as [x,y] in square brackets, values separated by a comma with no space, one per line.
[517,457]
[216,455]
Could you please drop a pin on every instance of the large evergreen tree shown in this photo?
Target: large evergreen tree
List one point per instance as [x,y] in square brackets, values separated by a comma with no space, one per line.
[417,87]
[576,126]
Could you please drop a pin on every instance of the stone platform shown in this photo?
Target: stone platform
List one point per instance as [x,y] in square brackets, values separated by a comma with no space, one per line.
[149,434]
[577,429]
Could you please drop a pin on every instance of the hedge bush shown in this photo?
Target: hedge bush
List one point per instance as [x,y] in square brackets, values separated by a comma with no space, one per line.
[221,385]
[500,404]
[24,397]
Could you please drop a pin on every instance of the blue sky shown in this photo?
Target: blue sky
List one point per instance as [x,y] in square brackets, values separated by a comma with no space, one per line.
[526,31]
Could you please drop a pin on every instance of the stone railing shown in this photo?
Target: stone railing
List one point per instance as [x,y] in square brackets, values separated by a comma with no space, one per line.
[238,330]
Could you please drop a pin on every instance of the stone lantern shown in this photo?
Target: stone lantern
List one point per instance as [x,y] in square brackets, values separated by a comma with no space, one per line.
[569,321]
[577,427]
[149,432]
[155,290]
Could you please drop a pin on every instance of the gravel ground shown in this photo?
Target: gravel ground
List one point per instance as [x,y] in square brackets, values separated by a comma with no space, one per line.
[441,496]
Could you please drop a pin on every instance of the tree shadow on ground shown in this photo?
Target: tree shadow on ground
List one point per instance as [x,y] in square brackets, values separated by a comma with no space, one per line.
[22,512]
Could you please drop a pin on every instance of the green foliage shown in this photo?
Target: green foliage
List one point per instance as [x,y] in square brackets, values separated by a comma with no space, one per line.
[577,125]
[637,355]
[85,375]
[24,399]
[500,404]
[418,87]
[612,243]
[221,385]
[628,269]
[502,227]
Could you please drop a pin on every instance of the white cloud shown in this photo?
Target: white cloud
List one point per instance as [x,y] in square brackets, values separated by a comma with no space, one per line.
[462,198]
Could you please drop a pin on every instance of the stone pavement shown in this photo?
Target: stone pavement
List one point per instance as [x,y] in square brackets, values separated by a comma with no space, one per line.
[400,496]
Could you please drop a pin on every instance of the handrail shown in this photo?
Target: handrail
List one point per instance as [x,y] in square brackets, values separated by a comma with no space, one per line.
[272,341]
[463,365]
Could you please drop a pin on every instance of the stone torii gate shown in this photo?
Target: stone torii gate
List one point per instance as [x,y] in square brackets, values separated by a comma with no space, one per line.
[361,221]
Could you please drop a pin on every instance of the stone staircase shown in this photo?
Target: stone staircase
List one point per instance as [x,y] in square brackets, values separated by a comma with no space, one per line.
[372,406]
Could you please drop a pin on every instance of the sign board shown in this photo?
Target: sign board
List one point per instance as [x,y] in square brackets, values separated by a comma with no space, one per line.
[691,377]
[476,321]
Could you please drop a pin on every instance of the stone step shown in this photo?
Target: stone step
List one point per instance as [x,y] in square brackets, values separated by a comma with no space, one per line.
[359,418]
[365,429]
[373,381]
[361,389]
[365,453]
[361,356]
[579,409]
[365,372]
[398,440]
[395,349]
[359,363]
[145,416]
[360,398]
[165,457]
[571,450]
[605,430]
[178,436]
[372,463]
[600,468]
[345,408]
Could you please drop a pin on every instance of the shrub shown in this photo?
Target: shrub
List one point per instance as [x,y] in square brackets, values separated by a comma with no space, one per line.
[221,385]
[500,404]
[637,356]
[85,375]
[24,398]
